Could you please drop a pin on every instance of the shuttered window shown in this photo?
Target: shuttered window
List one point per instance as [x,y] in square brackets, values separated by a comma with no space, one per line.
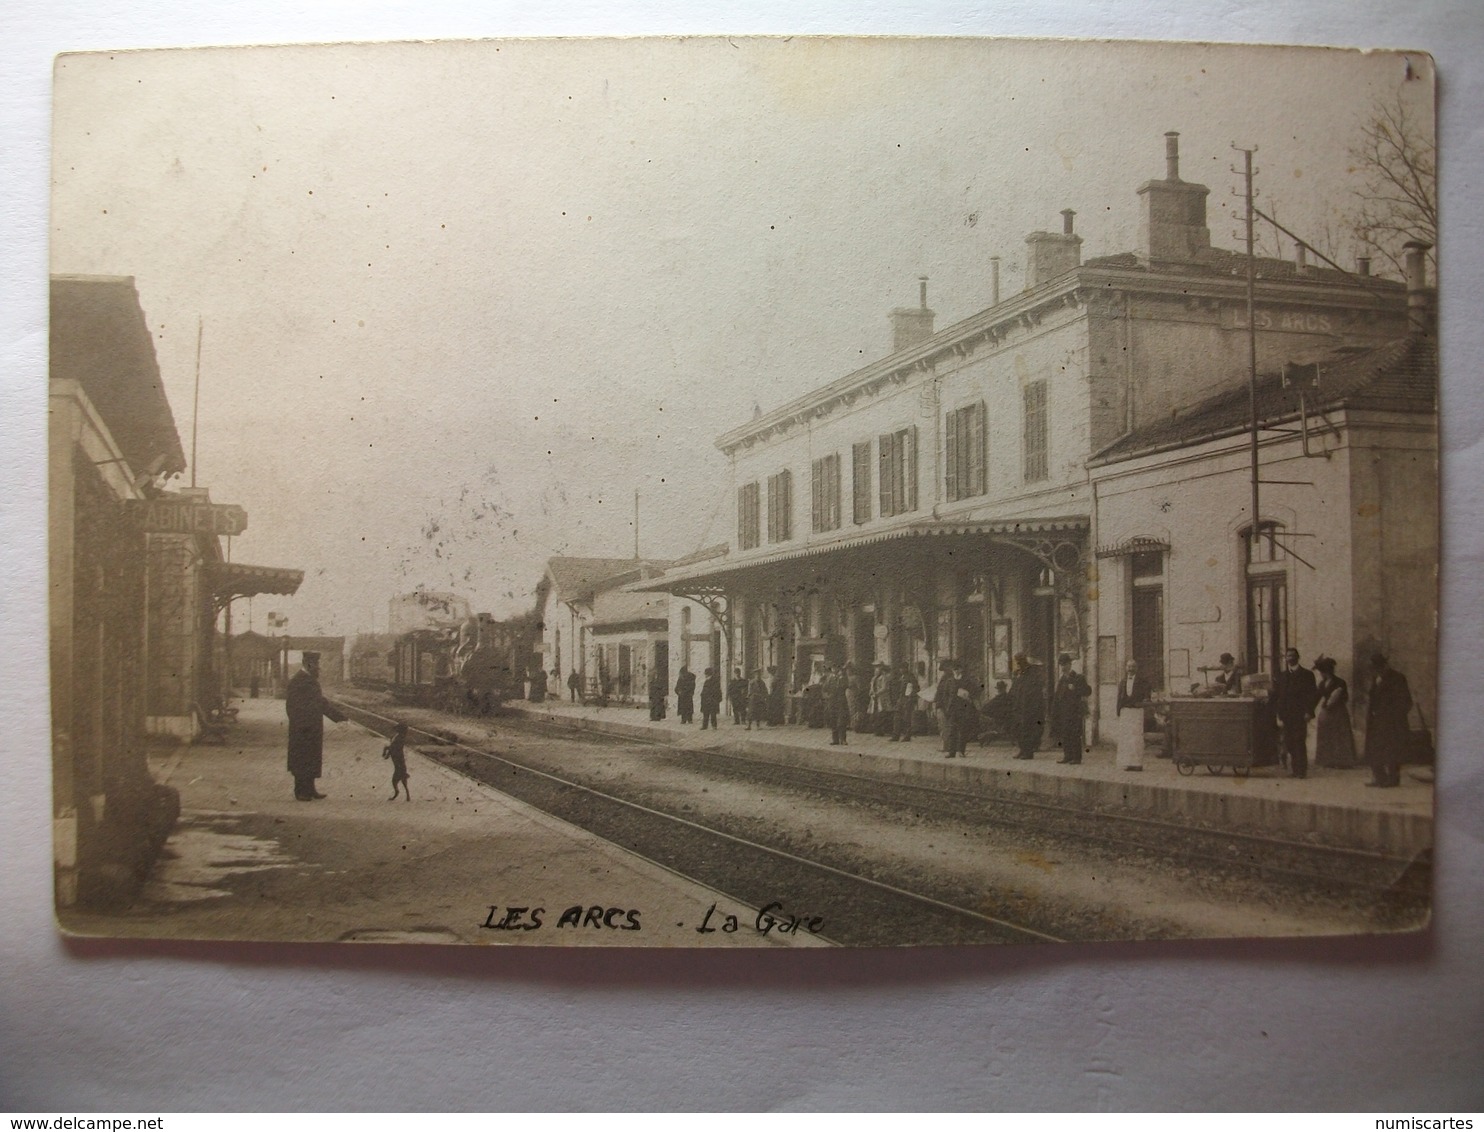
[826,495]
[1036,464]
[964,474]
[860,481]
[780,506]
[897,462]
[747,516]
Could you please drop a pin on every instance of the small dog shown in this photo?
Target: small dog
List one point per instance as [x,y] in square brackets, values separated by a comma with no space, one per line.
[395,750]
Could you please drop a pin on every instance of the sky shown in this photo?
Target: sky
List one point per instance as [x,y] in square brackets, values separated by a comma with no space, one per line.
[457,302]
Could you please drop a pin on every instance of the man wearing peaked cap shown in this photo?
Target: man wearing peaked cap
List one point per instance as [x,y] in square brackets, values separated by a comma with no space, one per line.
[307,710]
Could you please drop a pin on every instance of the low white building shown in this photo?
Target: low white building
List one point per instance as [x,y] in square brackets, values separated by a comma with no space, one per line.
[592,625]
[1345,561]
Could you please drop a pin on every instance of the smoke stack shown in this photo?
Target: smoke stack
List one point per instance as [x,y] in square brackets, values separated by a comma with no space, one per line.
[911,325]
[1301,258]
[1363,264]
[1049,254]
[994,280]
[1172,224]
[1419,294]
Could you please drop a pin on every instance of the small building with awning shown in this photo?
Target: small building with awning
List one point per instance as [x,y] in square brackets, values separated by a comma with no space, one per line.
[192,588]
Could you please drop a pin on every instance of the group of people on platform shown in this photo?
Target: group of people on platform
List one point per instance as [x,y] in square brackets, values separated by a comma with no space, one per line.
[887,700]
[1300,695]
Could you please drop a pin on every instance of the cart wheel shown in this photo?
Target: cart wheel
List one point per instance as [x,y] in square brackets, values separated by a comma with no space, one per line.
[1185,766]
[1242,771]
[1212,769]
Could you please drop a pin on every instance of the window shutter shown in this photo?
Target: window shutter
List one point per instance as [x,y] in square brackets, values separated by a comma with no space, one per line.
[978,474]
[911,472]
[886,445]
[816,516]
[835,487]
[860,485]
[950,476]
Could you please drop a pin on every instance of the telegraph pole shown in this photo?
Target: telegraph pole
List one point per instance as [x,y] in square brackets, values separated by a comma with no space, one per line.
[196,400]
[1247,172]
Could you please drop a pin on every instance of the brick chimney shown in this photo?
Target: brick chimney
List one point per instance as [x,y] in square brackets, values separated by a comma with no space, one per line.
[1420,297]
[1049,254]
[1172,224]
[911,325]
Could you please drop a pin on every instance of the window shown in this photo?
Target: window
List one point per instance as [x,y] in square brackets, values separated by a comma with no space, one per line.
[898,469]
[860,481]
[780,506]
[1267,597]
[747,516]
[826,500]
[1147,614]
[1266,550]
[1036,465]
[965,475]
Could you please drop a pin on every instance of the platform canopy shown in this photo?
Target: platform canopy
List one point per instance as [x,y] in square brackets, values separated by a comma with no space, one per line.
[237,579]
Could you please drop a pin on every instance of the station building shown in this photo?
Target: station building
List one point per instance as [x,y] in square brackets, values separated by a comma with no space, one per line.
[1345,558]
[138,579]
[594,624]
[938,502]
[112,438]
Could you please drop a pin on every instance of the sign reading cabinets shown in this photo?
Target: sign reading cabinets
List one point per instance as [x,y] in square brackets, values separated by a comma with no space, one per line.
[186,517]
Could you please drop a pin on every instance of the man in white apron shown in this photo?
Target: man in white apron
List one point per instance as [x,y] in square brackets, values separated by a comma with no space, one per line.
[1128,724]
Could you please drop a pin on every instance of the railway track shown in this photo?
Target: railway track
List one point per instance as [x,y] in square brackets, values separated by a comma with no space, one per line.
[1355,871]
[755,874]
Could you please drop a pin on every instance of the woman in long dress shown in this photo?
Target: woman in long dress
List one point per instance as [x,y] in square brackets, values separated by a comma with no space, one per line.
[1334,739]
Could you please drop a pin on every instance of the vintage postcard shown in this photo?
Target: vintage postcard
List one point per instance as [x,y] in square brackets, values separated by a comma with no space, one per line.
[743,492]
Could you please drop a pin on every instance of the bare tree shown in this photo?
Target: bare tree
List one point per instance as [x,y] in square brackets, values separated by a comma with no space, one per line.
[1397,196]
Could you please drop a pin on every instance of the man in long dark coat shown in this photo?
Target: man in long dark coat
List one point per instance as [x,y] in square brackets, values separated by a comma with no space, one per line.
[685,694]
[710,699]
[307,710]
[1295,695]
[1386,730]
[1069,712]
[656,693]
[737,694]
[1029,697]
[836,707]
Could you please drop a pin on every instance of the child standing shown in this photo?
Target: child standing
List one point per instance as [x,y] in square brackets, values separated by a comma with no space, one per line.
[395,750]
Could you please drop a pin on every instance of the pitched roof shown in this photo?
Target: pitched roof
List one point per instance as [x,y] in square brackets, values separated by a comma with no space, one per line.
[577,578]
[1399,376]
[100,340]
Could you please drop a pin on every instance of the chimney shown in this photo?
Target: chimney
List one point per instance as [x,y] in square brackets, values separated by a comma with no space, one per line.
[1301,258]
[1420,296]
[1172,224]
[911,325]
[994,280]
[1363,264]
[1049,254]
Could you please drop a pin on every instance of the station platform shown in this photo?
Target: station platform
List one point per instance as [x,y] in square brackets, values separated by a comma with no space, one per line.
[1332,807]
[246,861]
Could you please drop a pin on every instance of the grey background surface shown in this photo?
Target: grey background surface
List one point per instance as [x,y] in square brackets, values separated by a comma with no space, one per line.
[1392,1024]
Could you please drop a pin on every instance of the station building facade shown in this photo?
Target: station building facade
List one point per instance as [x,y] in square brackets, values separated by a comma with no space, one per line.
[112,437]
[938,502]
[138,579]
[1345,558]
